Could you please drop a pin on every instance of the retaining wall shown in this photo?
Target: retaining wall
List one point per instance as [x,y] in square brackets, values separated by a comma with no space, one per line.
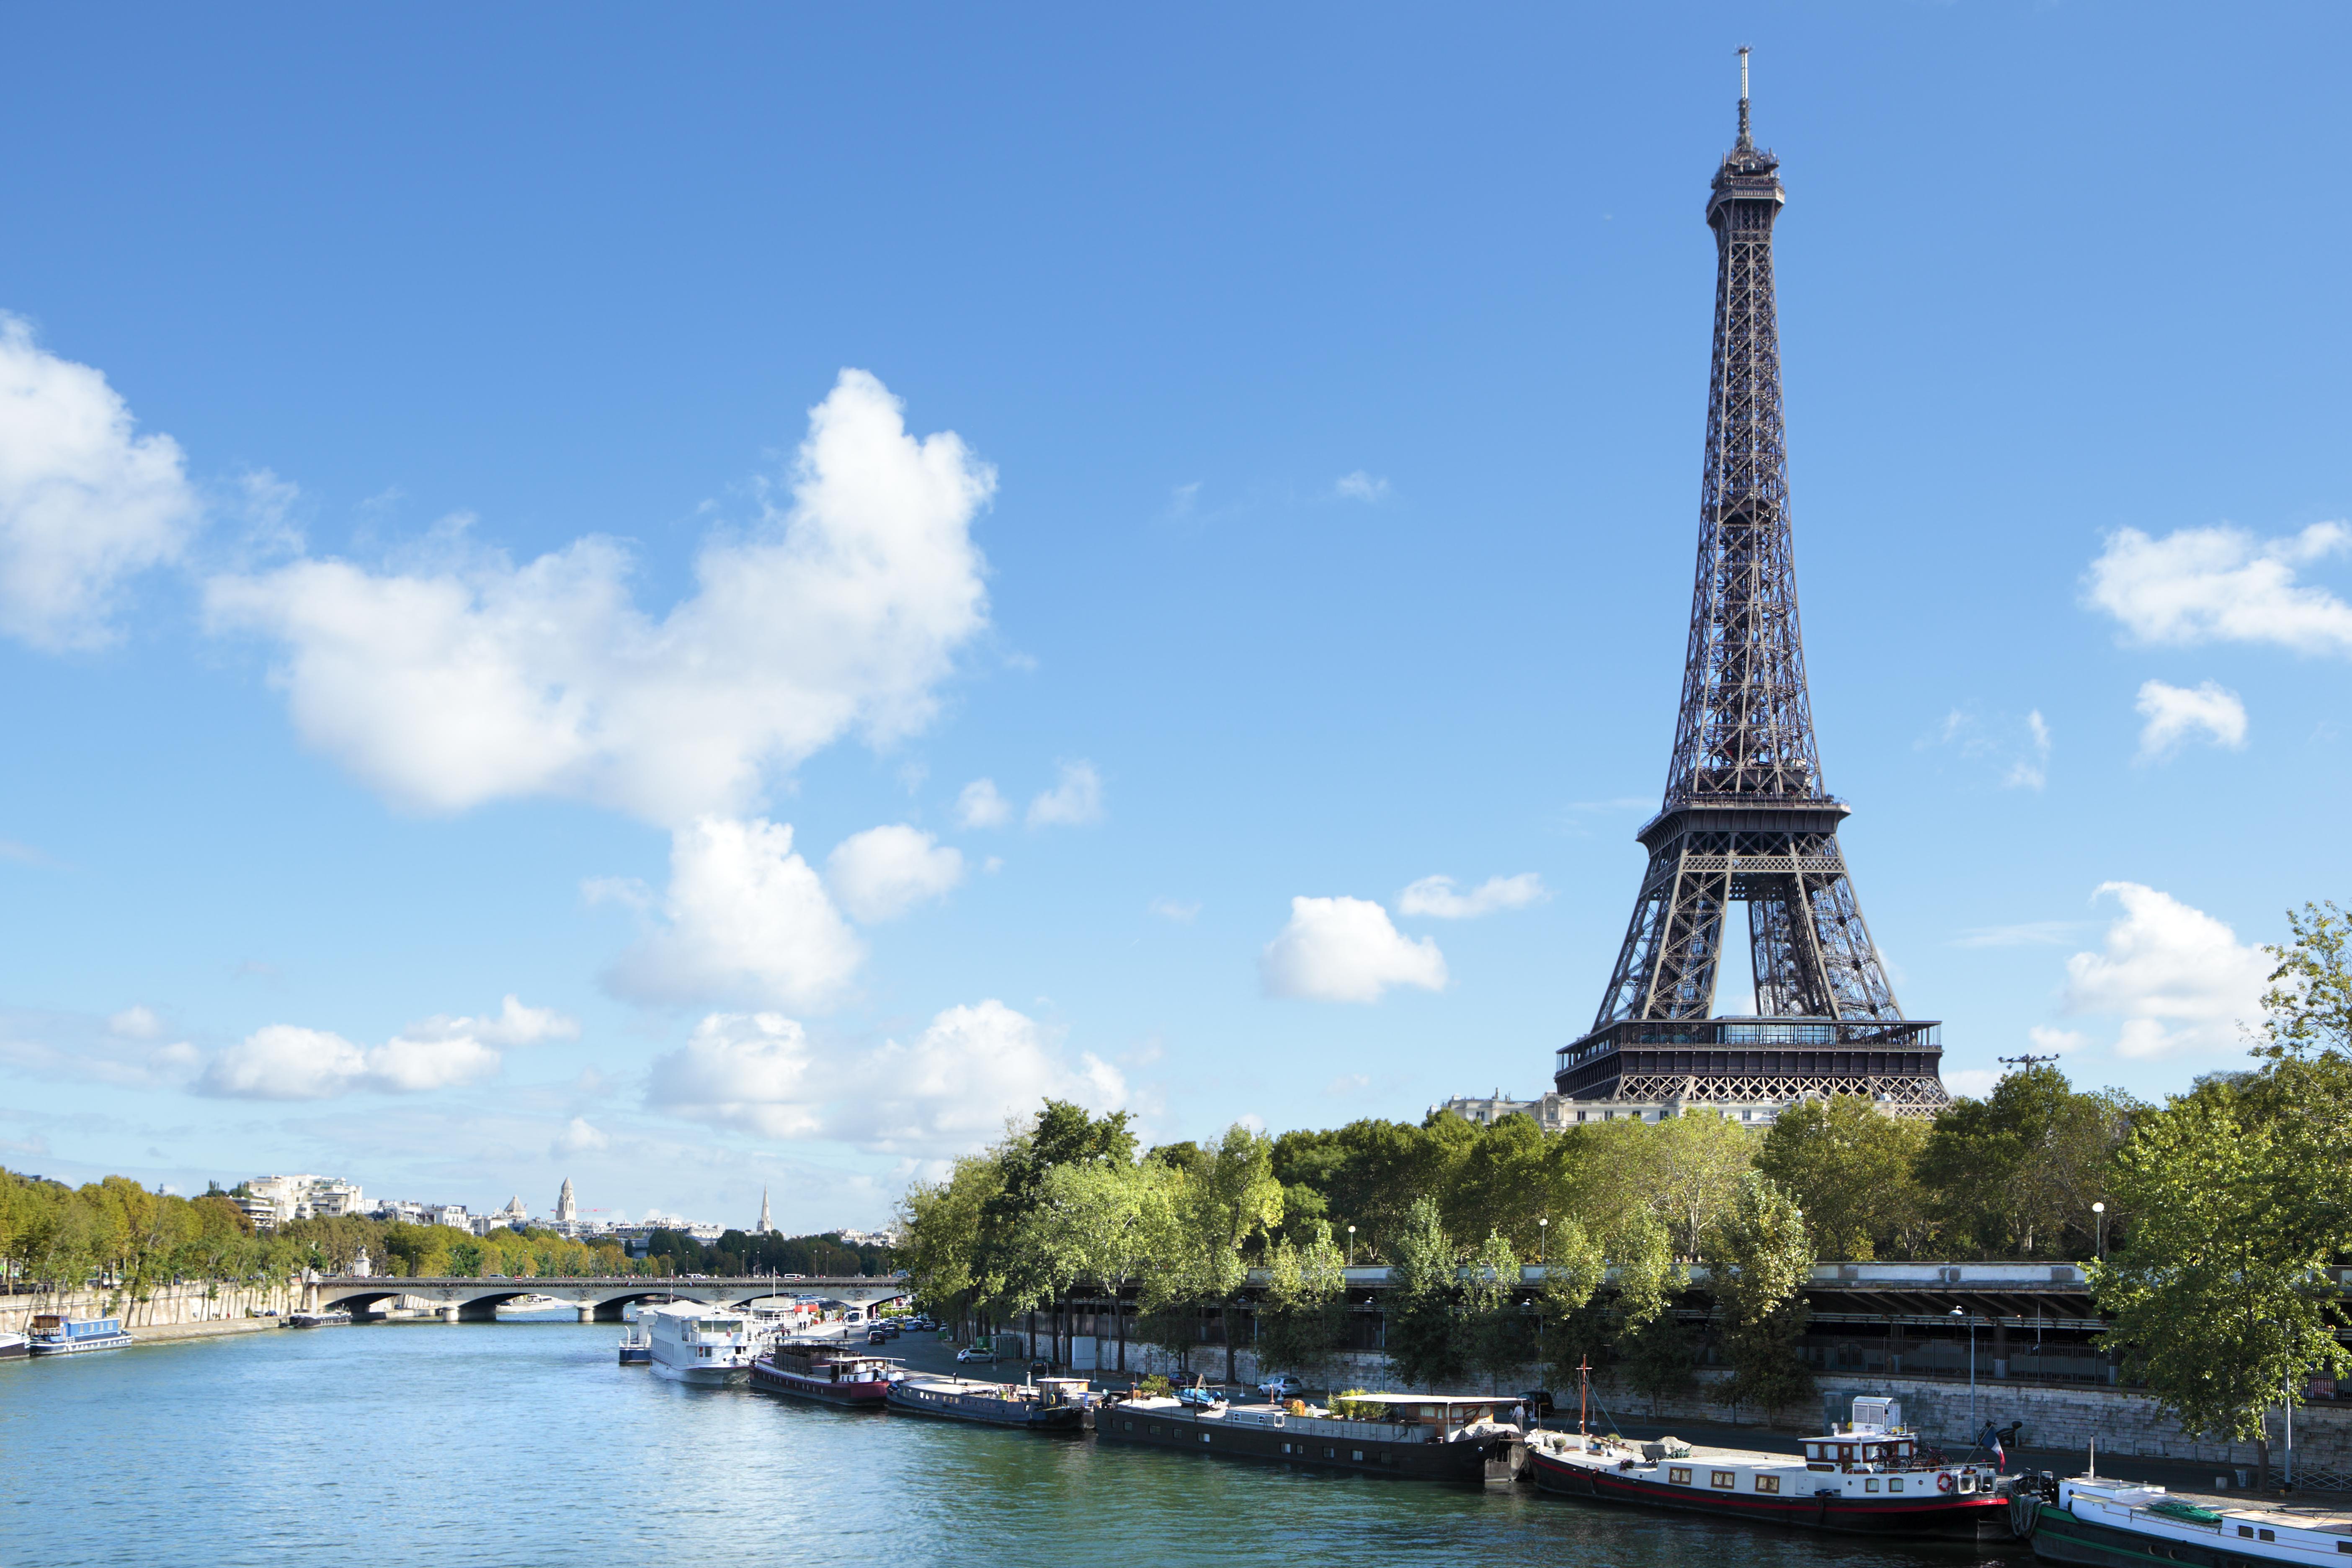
[170,1306]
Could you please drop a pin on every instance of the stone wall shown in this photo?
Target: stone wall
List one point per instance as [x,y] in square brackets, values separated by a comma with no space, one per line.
[171,1306]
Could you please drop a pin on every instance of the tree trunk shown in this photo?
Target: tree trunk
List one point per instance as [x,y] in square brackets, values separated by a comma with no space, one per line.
[2262,1462]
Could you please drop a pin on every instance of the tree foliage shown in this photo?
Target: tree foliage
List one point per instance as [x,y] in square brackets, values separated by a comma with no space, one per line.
[1763,1256]
[1853,1172]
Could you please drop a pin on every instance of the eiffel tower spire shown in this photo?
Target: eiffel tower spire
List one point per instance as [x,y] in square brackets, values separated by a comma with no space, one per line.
[1746,818]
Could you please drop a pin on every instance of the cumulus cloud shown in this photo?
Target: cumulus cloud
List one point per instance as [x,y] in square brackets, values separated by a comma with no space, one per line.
[884,871]
[2224,584]
[949,1089]
[471,678]
[2047,1041]
[2178,714]
[744,918]
[85,501]
[1074,802]
[980,806]
[135,1022]
[1435,897]
[286,1061]
[1361,486]
[2180,979]
[1346,950]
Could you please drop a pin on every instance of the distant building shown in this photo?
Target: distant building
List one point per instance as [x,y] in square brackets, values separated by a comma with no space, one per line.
[765,1227]
[1556,1112]
[567,1211]
[289,1199]
[450,1214]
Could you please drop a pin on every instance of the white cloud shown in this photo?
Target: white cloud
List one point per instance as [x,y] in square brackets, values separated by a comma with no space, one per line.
[2176,714]
[136,1022]
[470,678]
[746,919]
[2018,748]
[885,871]
[1183,914]
[2222,585]
[2047,1041]
[1973,1083]
[980,806]
[949,1089]
[286,1061]
[1361,486]
[1346,950]
[85,501]
[283,1061]
[1074,802]
[579,1137]
[1434,896]
[2033,770]
[2180,980]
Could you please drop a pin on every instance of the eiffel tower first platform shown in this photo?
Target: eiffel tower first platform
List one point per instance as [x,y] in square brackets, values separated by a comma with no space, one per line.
[1746,818]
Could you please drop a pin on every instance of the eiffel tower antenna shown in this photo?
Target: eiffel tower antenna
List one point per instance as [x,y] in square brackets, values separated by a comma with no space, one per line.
[1746,818]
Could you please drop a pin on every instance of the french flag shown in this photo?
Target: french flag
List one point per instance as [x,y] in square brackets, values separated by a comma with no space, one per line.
[1991,1440]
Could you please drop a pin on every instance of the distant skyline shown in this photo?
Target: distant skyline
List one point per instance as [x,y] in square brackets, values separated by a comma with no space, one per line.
[724,601]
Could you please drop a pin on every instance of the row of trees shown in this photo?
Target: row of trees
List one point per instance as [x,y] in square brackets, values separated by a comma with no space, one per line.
[118,1231]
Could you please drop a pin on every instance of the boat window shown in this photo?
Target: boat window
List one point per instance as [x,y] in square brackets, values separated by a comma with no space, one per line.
[1870,1485]
[1772,1483]
[1721,1479]
[1896,1485]
[1813,1450]
[1330,1453]
[2267,1535]
[1356,1455]
[1679,1474]
[1845,1453]
[1968,1483]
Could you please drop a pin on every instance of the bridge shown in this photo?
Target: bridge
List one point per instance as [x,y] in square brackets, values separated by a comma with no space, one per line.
[595,1299]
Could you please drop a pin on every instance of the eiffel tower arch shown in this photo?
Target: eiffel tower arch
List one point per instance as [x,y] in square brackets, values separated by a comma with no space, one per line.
[1745,818]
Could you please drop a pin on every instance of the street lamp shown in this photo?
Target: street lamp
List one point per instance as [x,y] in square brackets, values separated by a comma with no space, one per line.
[1543,1241]
[2101,1210]
[1352,1246]
[1972,1366]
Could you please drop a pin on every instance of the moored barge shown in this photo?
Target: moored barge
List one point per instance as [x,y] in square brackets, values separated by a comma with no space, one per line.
[2085,1521]
[56,1335]
[825,1371]
[1416,1436]
[1869,1478]
[1048,1405]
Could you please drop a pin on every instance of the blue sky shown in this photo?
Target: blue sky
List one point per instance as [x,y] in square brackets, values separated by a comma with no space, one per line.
[457,542]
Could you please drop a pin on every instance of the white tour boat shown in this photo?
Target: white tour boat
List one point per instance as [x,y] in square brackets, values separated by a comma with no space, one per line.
[701,1344]
[2100,1522]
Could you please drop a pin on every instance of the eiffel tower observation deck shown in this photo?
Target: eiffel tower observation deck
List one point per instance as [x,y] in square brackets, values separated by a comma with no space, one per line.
[1746,818]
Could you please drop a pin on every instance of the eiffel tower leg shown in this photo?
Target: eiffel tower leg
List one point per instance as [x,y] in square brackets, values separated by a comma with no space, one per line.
[1683,983]
[1850,965]
[1637,960]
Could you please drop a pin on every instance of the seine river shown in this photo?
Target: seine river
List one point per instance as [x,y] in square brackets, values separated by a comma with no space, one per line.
[516,1445]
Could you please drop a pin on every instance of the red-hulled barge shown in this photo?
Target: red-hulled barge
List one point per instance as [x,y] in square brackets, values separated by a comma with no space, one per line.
[826,1371]
[1868,1478]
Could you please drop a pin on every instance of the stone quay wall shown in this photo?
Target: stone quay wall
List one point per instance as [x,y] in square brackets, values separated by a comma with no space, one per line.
[172,1312]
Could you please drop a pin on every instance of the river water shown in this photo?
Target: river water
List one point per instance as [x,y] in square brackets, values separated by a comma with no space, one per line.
[518,1444]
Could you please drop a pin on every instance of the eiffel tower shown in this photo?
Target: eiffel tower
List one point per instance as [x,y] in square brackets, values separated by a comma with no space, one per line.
[1747,818]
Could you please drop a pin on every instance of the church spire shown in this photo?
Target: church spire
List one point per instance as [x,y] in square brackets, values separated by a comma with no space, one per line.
[764,1225]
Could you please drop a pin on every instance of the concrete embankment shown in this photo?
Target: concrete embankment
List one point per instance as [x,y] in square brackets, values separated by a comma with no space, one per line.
[201,1307]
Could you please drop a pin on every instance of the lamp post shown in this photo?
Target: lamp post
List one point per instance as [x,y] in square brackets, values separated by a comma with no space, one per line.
[1543,1241]
[1352,1246]
[1972,1370]
[2100,1211]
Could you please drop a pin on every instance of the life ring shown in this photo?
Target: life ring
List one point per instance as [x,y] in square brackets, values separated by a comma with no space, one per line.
[1944,1482]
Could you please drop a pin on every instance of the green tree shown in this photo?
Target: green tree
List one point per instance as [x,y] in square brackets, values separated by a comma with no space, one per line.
[2217,1301]
[1424,1322]
[2308,1007]
[1302,1318]
[1763,1258]
[1851,1167]
[1495,1311]
[1701,1155]
[1645,1339]
[1570,1328]
[2014,1174]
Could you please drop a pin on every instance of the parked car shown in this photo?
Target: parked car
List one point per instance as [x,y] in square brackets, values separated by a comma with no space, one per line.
[890,1329]
[975,1352]
[877,1337]
[1281,1387]
[1539,1403]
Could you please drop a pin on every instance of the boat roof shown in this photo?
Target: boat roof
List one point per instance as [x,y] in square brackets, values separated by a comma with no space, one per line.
[1448,1400]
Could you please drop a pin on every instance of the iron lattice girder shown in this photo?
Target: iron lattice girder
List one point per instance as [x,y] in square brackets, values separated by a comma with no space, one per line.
[1746,818]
